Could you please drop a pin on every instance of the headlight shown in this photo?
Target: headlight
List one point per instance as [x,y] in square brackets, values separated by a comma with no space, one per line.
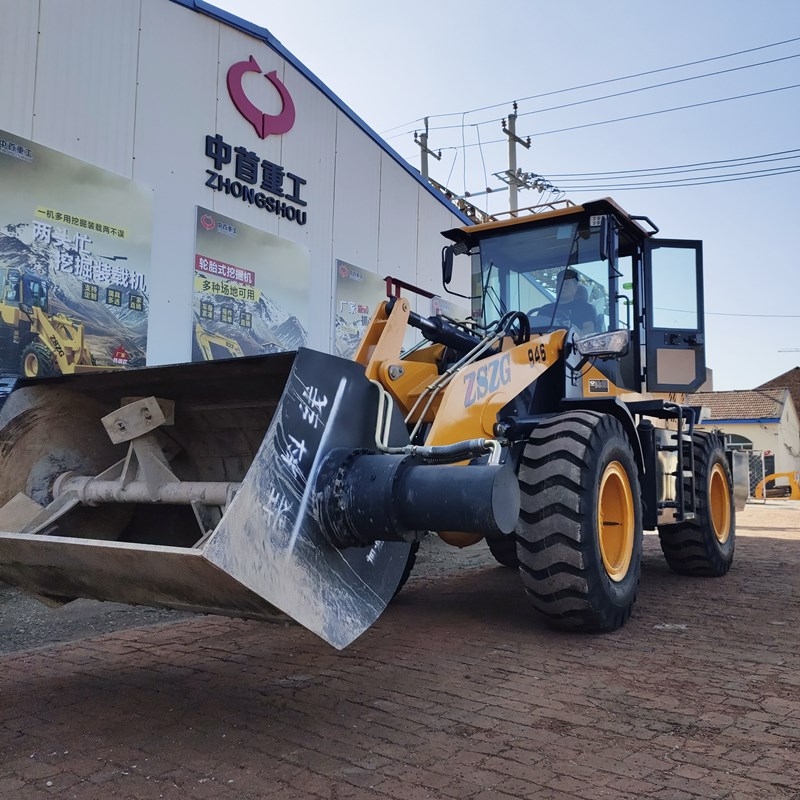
[604,345]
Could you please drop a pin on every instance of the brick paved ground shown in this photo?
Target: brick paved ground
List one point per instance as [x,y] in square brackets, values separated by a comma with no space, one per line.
[457,692]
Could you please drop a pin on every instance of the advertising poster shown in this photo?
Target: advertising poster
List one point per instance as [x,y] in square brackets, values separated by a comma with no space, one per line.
[358,294]
[251,290]
[75,246]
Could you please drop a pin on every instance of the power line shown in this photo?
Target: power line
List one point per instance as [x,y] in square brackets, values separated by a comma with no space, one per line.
[571,183]
[651,113]
[699,165]
[623,93]
[683,182]
[596,83]
[662,85]
[613,180]
[621,180]
[736,314]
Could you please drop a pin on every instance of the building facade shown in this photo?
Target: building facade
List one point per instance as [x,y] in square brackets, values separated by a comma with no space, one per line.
[179,184]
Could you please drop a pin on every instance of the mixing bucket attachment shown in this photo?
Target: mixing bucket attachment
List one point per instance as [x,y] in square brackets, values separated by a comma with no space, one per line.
[193,487]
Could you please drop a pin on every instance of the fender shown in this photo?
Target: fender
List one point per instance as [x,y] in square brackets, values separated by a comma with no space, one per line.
[612,406]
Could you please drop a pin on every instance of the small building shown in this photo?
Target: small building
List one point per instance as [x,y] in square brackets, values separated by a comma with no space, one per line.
[763,420]
[788,380]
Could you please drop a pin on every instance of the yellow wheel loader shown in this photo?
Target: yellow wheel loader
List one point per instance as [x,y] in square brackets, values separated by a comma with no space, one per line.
[41,343]
[551,425]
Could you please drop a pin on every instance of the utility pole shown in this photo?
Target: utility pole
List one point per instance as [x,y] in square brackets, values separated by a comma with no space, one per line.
[422,141]
[514,178]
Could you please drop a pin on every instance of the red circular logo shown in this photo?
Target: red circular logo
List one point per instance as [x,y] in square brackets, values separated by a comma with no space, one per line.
[208,222]
[264,124]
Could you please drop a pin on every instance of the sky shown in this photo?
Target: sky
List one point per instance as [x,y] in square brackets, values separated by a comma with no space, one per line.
[714,146]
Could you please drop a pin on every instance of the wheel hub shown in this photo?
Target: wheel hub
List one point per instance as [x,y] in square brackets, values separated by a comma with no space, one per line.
[616,522]
[719,503]
[31,366]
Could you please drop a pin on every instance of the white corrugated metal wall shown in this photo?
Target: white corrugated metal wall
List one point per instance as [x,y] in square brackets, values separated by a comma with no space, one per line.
[134,86]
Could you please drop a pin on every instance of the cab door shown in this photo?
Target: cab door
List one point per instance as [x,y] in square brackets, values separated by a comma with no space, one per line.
[674,317]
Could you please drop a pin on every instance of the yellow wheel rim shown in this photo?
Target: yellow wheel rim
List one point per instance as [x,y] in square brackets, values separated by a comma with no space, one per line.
[719,503]
[31,366]
[616,521]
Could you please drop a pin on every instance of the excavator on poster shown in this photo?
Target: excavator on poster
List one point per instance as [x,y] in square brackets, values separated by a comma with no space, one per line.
[215,345]
[554,426]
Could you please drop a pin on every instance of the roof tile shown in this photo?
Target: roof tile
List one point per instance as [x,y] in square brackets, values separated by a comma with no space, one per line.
[743,404]
[791,381]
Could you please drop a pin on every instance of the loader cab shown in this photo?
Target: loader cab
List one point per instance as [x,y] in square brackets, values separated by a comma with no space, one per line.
[555,273]
[34,293]
[24,290]
[594,269]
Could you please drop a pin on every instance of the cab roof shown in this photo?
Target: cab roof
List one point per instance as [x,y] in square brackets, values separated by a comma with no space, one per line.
[472,234]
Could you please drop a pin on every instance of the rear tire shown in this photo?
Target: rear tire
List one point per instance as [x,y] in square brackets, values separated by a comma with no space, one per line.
[38,362]
[504,549]
[705,544]
[410,562]
[579,535]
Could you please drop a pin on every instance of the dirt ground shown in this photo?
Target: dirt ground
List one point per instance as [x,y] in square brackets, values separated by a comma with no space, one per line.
[458,691]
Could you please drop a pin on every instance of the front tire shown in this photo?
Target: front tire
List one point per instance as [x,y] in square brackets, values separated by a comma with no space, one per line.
[579,535]
[704,545]
[38,362]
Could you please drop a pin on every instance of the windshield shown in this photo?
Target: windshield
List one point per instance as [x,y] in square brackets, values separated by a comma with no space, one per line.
[555,273]
[34,293]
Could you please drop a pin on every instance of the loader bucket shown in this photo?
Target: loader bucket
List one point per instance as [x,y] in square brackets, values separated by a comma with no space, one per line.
[257,427]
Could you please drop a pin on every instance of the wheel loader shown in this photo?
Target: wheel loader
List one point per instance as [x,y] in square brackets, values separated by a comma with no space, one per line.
[39,342]
[551,426]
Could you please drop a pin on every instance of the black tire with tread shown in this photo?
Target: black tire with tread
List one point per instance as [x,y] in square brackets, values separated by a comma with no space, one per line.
[558,533]
[504,549]
[410,561]
[44,358]
[700,546]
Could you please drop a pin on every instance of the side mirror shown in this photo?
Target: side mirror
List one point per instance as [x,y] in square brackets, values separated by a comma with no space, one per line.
[447,265]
